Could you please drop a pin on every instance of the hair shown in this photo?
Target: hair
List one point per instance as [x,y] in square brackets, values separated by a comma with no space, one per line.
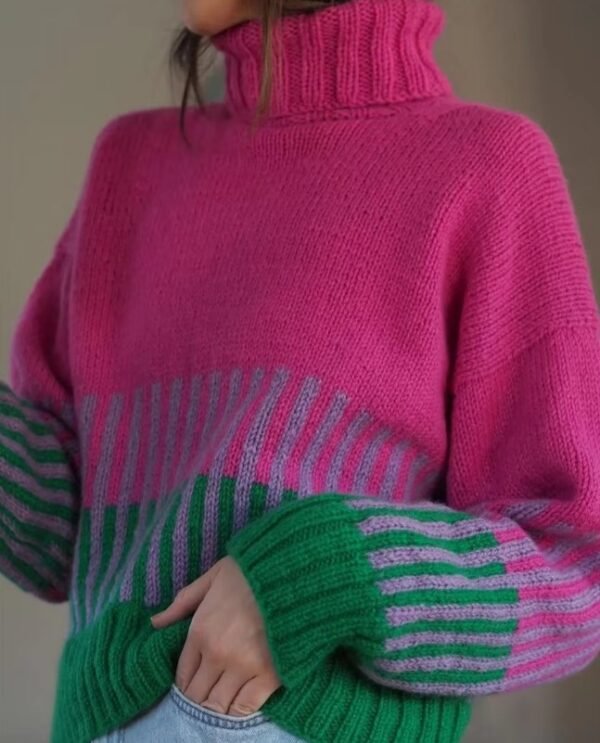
[188,50]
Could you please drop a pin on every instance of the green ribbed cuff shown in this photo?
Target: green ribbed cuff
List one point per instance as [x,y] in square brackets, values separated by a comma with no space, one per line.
[306,565]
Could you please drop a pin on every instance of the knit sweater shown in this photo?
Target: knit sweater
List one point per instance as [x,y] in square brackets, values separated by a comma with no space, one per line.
[356,347]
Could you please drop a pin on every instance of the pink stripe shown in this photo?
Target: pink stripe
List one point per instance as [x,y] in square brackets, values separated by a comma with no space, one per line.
[530,563]
[564,591]
[537,666]
[509,534]
[564,619]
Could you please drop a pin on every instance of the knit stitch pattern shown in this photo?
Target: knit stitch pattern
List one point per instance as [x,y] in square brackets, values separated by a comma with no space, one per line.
[356,348]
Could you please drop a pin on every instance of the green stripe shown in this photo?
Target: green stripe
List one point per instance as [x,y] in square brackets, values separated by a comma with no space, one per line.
[42,456]
[39,429]
[457,626]
[225,516]
[449,596]
[440,568]
[23,568]
[40,534]
[405,538]
[258,499]
[83,559]
[459,677]
[108,539]
[467,650]
[194,528]
[140,568]
[49,560]
[50,483]
[425,515]
[166,552]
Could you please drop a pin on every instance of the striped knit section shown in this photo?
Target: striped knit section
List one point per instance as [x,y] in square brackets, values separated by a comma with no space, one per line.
[430,600]
[170,472]
[38,498]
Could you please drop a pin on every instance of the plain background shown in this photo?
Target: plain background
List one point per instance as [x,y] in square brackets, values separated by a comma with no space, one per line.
[67,66]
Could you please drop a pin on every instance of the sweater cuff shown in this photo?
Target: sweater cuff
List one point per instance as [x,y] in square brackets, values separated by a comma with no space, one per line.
[306,564]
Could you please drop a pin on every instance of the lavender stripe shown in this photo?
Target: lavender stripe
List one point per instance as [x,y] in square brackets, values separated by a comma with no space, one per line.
[209,524]
[7,569]
[398,615]
[215,475]
[171,442]
[392,472]
[352,433]
[390,556]
[436,529]
[30,557]
[49,495]
[455,661]
[506,580]
[180,539]
[152,595]
[253,447]
[553,671]
[22,513]
[126,590]
[49,470]
[365,468]
[39,441]
[88,408]
[486,638]
[192,415]
[411,493]
[99,493]
[124,501]
[295,426]
[53,550]
[322,433]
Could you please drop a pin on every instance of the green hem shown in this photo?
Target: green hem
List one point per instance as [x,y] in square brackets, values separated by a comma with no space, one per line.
[121,666]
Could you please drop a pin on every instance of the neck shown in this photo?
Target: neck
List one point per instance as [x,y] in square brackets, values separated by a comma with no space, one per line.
[362,53]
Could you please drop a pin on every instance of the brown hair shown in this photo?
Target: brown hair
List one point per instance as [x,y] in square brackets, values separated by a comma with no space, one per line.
[188,49]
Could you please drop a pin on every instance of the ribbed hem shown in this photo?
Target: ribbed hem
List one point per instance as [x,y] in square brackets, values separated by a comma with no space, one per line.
[309,573]
[121,666]
[112,671]
[336,704]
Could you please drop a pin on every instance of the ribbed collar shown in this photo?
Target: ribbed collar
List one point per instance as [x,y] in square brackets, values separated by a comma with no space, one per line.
[358,54]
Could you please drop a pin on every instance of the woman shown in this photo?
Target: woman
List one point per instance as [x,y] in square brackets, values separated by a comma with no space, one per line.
[305,416]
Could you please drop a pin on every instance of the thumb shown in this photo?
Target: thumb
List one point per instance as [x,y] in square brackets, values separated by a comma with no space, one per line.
[186,602]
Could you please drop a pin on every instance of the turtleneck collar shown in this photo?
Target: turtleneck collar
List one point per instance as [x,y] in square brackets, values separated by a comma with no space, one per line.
[361,53]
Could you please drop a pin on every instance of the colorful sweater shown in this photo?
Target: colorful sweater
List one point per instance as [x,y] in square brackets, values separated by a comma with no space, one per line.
[357,348]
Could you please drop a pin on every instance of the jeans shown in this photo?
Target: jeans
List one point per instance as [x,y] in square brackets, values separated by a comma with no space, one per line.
[176,719]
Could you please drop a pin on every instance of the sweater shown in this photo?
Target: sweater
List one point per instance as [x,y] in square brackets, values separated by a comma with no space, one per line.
[355,347]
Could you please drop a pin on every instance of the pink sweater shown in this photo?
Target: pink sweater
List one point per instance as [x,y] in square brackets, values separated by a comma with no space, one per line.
[357,348]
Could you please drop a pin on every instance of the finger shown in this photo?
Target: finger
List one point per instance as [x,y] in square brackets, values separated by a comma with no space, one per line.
[203,681]
[189,659]
[224,691]
[186,602]
[254,694]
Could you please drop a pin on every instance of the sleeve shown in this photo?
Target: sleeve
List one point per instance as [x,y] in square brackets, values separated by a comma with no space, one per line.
[497,587]
[39,482]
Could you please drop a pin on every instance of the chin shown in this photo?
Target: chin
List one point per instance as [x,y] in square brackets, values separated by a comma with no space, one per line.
[211,18]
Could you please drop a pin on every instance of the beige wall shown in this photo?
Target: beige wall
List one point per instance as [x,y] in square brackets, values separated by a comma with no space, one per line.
[68,66]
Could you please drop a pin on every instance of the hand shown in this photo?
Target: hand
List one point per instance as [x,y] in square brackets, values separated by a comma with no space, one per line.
[225,663]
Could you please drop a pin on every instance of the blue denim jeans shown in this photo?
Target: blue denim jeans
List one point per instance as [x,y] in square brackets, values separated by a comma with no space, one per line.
[176,719]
